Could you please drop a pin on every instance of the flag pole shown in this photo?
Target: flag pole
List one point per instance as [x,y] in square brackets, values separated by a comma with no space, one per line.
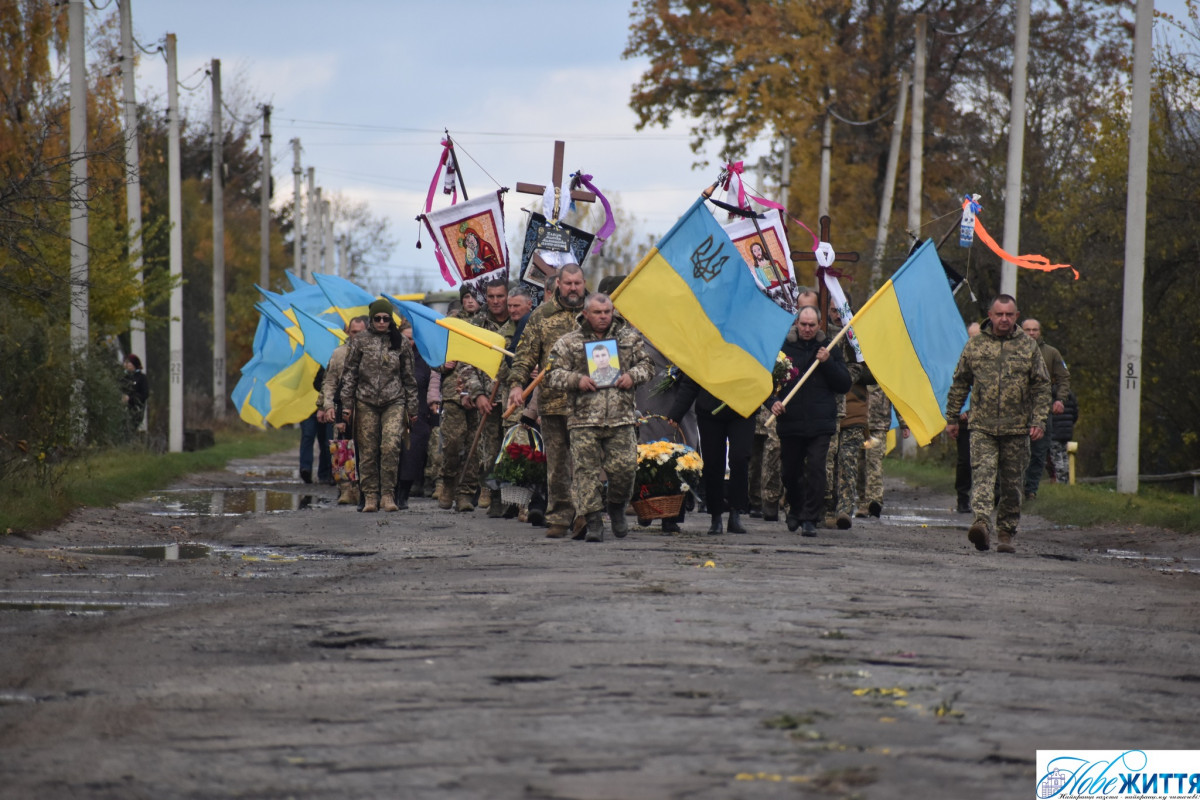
[811,369]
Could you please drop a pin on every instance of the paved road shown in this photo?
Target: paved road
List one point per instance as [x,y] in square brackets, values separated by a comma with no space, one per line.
[321,653]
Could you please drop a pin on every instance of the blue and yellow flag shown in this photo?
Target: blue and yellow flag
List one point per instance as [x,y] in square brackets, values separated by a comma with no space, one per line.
[911,335]
[347,298]
[440,339]
[320,340]
[694,299]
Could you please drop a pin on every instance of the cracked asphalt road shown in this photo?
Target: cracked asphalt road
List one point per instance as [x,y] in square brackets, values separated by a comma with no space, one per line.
[313,652]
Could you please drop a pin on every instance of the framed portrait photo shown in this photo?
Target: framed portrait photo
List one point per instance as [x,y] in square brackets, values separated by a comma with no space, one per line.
[603,361]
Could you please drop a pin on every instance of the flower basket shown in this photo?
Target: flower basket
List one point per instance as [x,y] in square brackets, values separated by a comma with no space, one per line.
[664,471]
[519,467]
[514,495]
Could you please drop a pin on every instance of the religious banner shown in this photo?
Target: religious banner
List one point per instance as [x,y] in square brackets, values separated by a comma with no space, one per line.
[470,237]
[771,267]
[535,270]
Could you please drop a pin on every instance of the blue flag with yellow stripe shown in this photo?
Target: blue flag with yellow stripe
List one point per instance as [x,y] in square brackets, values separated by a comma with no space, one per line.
[694,299]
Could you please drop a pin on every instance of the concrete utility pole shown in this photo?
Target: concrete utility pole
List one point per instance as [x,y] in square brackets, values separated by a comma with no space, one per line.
[175,212]
[297,213]
[916,155]
[327,241]
[79,187]
[344,256]
[826,158]
[133,185]
[310,259]
[1016,150]
[785,179]
[264,200]
[218,233]
[1130,415]
[889,185]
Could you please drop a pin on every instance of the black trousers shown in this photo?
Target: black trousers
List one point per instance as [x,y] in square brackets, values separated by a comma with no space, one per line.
[715,431]
[803,473]
[962,467]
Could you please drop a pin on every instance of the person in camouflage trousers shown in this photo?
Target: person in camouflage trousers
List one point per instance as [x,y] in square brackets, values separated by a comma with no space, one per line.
[459,421]
[379,384]
[489,407]
[329,403]
[766,483]
[602,421]
[557,316]
[870,483]
[850,448]
[1006,376]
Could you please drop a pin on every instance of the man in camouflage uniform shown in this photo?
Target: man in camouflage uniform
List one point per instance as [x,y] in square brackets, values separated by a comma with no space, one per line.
[379,383]
[602,421]
[1006,376]
[851,437]
[328,402]
[766,484]
[855,368]
[870,485]
[479,389]
[1060,390]
[549,322]
[459,421]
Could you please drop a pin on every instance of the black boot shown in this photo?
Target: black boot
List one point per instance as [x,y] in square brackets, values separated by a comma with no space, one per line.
[403,488]
[735,523]
[715,529]
[616,517]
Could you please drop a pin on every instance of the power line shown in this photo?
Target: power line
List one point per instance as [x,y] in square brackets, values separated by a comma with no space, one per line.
[538,135]
[840,118]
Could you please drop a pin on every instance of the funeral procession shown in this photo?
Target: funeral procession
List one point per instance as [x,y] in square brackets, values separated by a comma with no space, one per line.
[620,400]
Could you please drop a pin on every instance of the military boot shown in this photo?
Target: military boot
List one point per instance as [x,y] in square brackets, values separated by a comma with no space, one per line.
[348,495]
[978,535]
[387,503]
[496,508]
[371,505]
[595,528]
[1006,542]
[464,503]
[770,512]
[616,515]
[446,498]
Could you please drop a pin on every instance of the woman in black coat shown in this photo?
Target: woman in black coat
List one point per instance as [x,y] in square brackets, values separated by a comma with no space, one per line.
[809,421]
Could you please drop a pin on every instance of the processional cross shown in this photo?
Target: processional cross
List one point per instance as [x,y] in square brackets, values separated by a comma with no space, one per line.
[827,259]
[540,189]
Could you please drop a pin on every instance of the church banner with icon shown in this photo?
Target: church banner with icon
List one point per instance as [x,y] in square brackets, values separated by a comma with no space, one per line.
[470,236]
[771,266]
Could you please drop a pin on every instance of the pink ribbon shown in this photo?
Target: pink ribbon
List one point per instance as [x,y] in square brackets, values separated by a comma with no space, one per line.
[736,168]
[731,169]
[610,225]
[437,250]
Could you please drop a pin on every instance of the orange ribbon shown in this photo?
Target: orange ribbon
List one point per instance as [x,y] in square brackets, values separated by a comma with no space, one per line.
[1040,263]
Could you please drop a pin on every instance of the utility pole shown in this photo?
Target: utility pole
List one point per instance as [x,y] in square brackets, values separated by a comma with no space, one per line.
[785,179]
[264,200]
[1130,414]
[311,255]
[79,190]
[218,235]
[916,154]
[889,185]
[175,213]
[826,158]
[344,256]
[327,241]
[297,212]
[133,185]
[1016,150]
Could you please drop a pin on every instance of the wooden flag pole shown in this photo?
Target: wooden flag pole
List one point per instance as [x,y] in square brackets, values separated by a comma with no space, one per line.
[478,432]
[811,369]
[528,391]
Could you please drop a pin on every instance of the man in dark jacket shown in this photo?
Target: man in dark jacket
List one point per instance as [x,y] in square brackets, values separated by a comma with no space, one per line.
[810,420]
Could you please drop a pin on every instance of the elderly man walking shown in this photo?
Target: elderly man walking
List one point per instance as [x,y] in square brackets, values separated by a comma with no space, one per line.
[1005,374]
[602,419]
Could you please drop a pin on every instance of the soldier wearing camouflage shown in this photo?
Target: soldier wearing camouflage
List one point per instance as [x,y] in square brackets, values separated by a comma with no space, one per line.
[548,322]
[329,402]
[479,387]
[879,420]
[459,421]
[766,484]
[601,421]
[1006,376]
[850,448]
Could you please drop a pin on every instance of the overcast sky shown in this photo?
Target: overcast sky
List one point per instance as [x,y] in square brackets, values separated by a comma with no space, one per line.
[369,85]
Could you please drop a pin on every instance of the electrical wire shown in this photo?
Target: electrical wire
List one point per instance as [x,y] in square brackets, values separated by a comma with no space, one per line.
[840,118]
[236,118]
[100,8]
[539,135]
[158,49]
[458,147]
[199,83]
[973,28]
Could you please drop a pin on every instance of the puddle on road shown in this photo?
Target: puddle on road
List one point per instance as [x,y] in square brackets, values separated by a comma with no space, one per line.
[265,471]
[74,606]
[1161,563]
[156,552]
[230,502]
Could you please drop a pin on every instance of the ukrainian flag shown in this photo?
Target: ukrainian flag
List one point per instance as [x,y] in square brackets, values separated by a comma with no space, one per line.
[911,335]
[320,340]
[348,299]
[440,339]
[694,299]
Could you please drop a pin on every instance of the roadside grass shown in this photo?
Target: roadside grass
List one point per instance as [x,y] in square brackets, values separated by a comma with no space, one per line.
[117,475]
[1081,505]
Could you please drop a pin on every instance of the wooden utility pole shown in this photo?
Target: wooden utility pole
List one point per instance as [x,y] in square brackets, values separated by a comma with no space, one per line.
[264,201]
[1016,150]
[175,213]
[133,185]
[1130,413]
[218,241]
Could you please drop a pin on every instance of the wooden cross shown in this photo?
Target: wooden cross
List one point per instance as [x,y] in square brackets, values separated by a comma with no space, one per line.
[540,189]
[808,255]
